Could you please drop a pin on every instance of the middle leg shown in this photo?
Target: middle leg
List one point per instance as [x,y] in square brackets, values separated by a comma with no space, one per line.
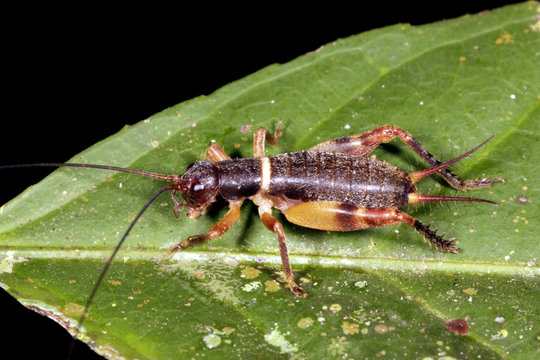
[274,225]
[262,135]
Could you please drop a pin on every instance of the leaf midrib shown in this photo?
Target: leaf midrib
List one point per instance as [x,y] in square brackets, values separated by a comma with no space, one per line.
[377,263]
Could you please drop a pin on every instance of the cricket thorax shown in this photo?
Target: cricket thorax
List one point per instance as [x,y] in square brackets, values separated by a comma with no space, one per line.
[239,178]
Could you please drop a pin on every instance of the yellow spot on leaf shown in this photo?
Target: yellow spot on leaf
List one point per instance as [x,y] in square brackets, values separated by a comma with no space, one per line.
[350,328]
[73,309]
[536,26]
[212,340]
[383,328]
[500,335]
[199,275]
[251,286]
[470,291]
[271,286]
[275,338]
[306,322]
[115,282]
[250,273]
[504,39]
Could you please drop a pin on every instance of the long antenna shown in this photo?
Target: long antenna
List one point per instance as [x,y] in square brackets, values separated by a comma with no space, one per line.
[109,262]
[94,166]
[170,178]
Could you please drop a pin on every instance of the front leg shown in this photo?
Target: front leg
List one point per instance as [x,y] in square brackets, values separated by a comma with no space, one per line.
[216,231]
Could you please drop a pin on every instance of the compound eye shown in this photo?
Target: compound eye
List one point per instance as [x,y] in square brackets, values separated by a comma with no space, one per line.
[196,188]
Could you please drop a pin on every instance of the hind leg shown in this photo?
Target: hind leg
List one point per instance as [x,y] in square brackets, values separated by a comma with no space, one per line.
[363,144]
[334,216]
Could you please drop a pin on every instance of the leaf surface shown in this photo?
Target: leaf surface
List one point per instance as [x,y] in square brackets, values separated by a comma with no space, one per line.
[372,293]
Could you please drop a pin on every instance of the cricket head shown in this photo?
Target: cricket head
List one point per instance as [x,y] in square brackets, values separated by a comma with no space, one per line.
[199,186]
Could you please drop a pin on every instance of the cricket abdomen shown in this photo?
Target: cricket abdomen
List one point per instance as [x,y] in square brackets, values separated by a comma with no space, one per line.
[324,176]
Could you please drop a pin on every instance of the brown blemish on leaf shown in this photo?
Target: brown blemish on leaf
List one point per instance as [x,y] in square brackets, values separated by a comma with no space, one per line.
[245,128]
[457,326]
[523,200]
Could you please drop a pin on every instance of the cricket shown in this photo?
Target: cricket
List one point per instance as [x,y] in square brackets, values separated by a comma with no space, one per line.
[333,186]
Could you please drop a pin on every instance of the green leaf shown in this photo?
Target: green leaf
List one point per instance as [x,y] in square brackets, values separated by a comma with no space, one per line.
[372,293]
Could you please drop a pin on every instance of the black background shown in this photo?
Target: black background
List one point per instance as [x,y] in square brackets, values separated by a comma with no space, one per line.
[72,77]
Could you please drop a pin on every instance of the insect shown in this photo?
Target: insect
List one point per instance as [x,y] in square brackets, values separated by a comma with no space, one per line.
[332,186]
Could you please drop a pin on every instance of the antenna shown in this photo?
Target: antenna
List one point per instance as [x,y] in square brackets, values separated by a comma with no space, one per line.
[94,166]
[109,262]
[170,178]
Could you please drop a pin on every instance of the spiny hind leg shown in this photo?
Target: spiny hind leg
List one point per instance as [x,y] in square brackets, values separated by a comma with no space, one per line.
[274,225]
[334,216]
[216,231]
[363,144]
[262,135]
